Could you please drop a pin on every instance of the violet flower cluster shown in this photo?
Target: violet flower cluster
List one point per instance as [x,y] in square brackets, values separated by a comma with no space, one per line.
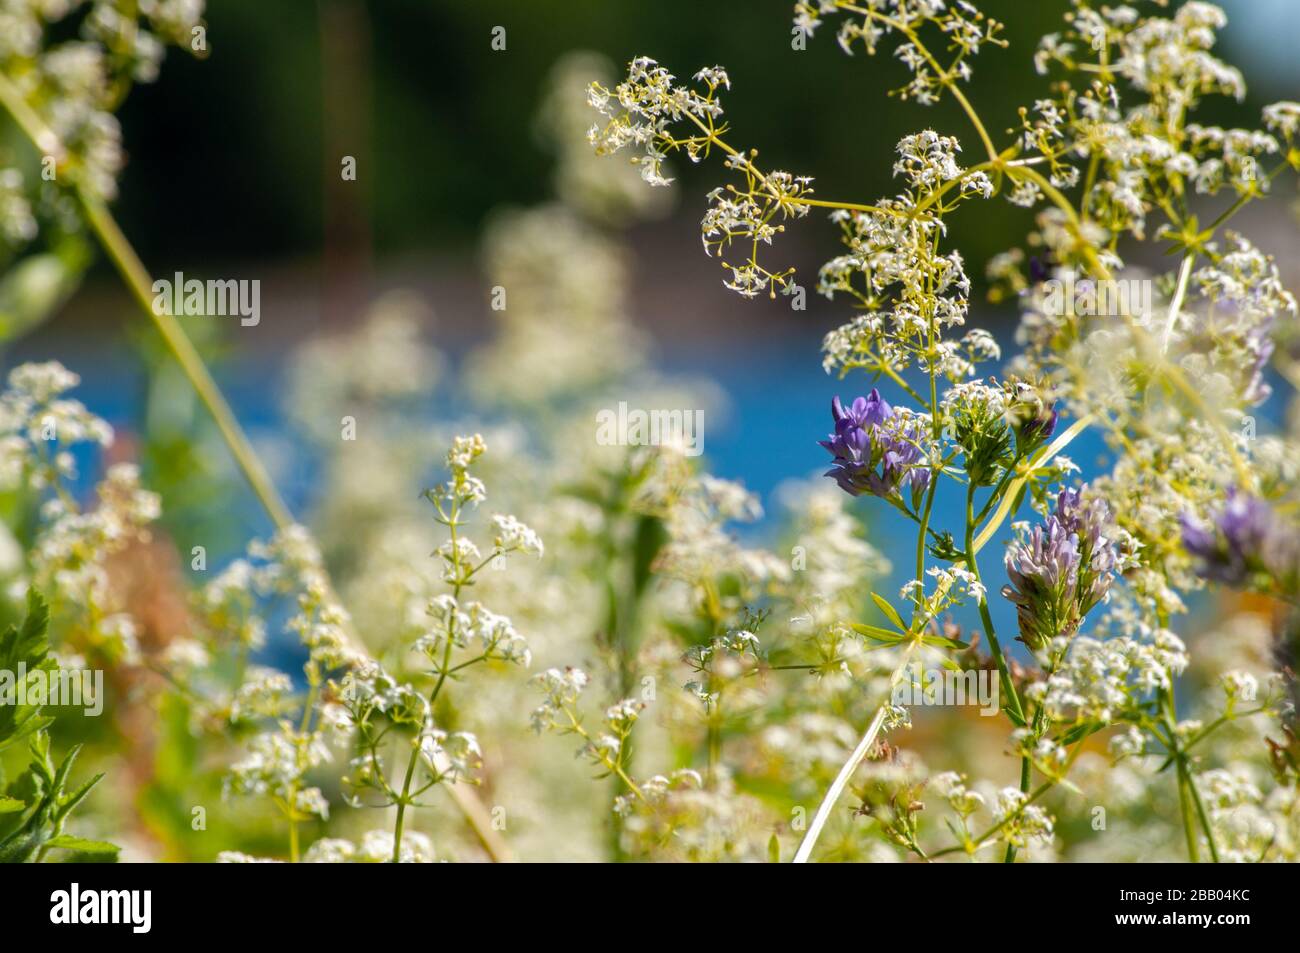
[1244,539]
[877,449]
[1062,570]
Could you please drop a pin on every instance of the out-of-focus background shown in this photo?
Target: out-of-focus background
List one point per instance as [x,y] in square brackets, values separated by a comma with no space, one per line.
[234,170]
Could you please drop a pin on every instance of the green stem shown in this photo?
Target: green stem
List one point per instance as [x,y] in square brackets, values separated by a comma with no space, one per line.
[1008,686]
[972,563]
[293,788]
[1200,813]
[943,75]
[453,521]
[1189,827]
[403,801]
[1189,799]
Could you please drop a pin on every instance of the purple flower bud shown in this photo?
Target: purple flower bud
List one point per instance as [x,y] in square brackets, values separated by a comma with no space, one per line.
[1040,269]
[1062,570]
[1042,427]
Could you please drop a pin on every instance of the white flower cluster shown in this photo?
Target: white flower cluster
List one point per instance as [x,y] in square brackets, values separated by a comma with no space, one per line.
[951,786]
[641,109]
[376,847]
[927,161]
[512,536]
[893,269]
[292,734]
[460,633]
[961,26]
[1230,344]
[275,766]
[952,586]
[1022,824]
[38,425]
[561,688]
[700,545]
[493,636]
[71,554]
[1103,681]
[566,282]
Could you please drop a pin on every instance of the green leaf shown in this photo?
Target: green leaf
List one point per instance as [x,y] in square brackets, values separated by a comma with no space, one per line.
[11,805]
[773,850]
[27,644]
[943,642]
[33,288]
[651,536]
[39,764]
[77,796]
[890,612]
[876,632]
[70,842]
[65,768]
[25,726]
[26,648]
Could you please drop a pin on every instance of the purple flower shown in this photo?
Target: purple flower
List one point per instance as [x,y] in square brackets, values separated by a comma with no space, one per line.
[876,449]
[1040,269]
[1245,537]
[1040,428]
[1062,570]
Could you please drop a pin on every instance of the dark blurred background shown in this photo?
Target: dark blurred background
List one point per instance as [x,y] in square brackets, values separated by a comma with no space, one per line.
[243,136]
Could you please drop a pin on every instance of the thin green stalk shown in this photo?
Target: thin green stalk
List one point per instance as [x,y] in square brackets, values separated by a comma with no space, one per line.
[1201,814]
[944,75]
[187,356]
[985,617]
[403,800]
[1008,686]
[292,806]
[1189,826]
[452,522]
[841,781]
[846,771]
[138,282]
[1176,305]
[1189,798]
[1043,458]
